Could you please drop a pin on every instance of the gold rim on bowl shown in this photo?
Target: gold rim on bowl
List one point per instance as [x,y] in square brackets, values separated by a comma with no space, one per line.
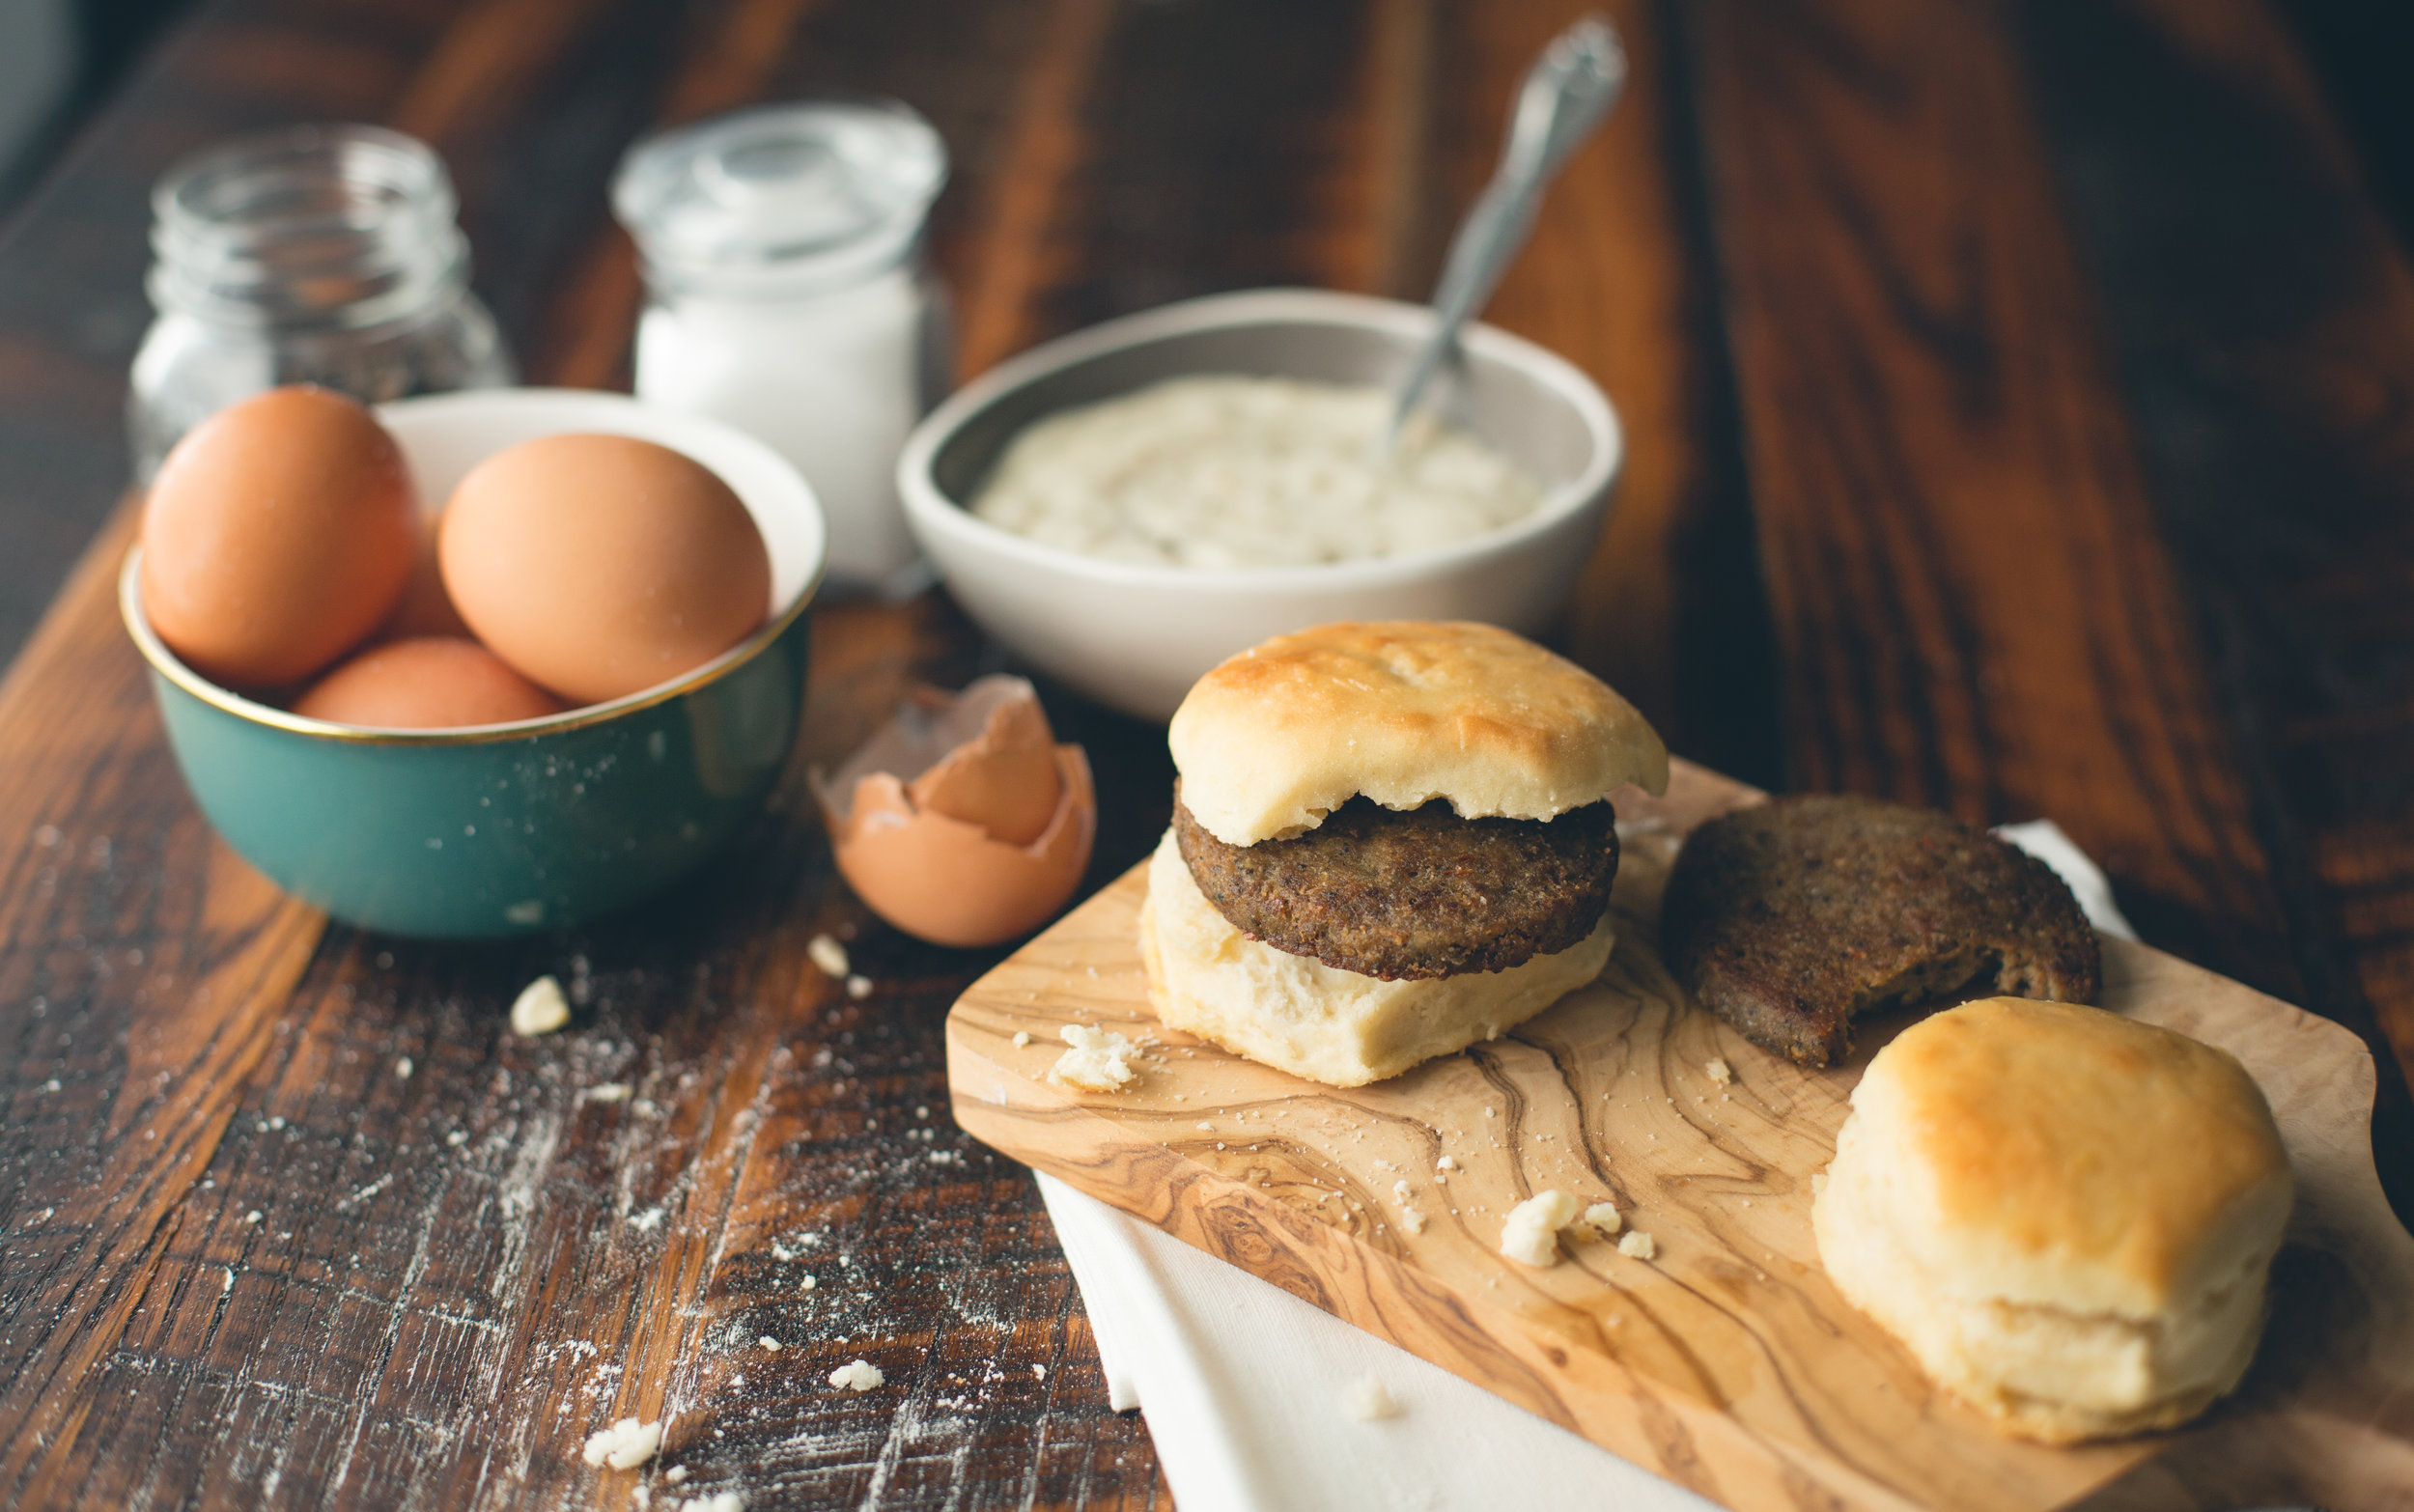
[167,663]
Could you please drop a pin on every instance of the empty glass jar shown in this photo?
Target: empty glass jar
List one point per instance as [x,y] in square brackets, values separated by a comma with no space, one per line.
[324,254]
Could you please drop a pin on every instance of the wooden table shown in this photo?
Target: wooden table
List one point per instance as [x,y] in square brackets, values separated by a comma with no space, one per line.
[2018,404]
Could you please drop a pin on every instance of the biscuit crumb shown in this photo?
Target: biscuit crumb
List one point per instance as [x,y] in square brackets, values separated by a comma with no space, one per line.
[1531,1236]
[1367,1399]
[717,1501]
[1021,1038]
[857,1375]
[609,1092]
[858,988]
[829,955]
[1603,1217]
[1411,1220]
[539,1008]
[1446,1164]
[1719,1071]
[1099,1061]
[403,1068]
[1637,1244]
[625,1446]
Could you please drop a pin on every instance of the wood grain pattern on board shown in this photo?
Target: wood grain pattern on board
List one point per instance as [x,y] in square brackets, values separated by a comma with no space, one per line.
[1725,1363]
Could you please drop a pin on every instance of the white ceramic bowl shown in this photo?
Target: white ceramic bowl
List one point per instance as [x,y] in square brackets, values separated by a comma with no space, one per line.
[1137,636]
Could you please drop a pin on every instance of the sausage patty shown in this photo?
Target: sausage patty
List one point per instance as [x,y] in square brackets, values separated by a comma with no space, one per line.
[1420,893]
[1791,918]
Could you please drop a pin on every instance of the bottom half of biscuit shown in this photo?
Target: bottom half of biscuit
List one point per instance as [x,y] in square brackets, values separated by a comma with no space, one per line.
[1339,1027]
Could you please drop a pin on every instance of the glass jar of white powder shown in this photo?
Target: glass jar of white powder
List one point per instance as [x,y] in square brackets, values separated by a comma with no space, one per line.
[788,294]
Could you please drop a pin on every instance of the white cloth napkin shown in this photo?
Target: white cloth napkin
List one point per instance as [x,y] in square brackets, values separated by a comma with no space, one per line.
[1244,1386]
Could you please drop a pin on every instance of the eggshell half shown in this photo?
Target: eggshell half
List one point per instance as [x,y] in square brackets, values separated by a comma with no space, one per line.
[948,881]
[1005,778]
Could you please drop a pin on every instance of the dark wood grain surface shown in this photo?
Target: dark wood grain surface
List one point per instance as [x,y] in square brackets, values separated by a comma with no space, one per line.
[2017,397]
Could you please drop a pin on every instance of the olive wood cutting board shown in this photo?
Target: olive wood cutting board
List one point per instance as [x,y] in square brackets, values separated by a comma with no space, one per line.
[1727,1363]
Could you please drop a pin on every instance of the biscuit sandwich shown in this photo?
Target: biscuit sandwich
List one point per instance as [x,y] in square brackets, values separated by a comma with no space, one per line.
[1390,840]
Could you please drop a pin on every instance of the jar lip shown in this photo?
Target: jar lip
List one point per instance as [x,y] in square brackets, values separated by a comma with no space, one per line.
[781,199]
[411,176]
[339,226]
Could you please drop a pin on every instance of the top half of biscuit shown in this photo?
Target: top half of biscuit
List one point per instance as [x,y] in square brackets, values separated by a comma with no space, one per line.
[1404,712]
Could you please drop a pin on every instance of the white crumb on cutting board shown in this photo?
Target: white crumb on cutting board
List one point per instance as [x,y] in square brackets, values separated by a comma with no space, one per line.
[830,955]
[1099,1061]
[539,1008]
[1638,1245]
[1530,1235]
[1603,1217]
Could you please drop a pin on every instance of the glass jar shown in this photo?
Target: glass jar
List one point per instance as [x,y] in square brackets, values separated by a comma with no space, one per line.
[787,293]
[320,254]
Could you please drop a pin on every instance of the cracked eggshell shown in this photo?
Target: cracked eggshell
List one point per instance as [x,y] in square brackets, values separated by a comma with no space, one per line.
[962,822]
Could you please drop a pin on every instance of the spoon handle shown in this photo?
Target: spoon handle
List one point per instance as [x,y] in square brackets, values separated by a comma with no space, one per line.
[1566,93]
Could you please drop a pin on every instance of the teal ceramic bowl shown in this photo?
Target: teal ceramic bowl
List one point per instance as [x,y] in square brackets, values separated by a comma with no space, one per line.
[539,825]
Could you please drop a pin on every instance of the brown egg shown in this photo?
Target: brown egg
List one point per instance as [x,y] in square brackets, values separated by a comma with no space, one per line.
[930,821]
[601,565]
[425,609]
[430,683]
[276,535]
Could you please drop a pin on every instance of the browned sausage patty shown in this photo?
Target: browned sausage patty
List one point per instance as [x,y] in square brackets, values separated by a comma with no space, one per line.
[1423,893]
[1790,918]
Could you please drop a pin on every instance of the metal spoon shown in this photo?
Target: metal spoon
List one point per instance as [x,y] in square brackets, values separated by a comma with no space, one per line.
[1566,93]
